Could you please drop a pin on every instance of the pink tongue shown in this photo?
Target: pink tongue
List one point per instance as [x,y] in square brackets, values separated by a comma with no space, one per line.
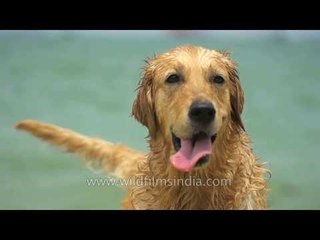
[188,156]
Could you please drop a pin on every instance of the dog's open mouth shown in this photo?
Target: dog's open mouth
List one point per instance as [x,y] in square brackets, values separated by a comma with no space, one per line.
[191,152]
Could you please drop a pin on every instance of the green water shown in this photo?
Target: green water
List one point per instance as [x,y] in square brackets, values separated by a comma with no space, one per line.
[87,84]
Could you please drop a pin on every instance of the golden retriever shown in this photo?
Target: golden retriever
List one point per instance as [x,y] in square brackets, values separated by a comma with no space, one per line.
[191,100]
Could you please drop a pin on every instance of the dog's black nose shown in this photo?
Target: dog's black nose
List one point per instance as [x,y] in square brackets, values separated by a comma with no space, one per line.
[202,112]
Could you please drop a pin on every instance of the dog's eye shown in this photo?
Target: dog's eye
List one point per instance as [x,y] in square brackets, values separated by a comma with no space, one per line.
[173,78]
[217,79]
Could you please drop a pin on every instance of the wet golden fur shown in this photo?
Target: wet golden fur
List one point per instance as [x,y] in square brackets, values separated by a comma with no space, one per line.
[162,108]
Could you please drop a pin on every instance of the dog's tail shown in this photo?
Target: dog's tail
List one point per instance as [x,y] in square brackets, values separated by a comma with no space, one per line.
[117,159]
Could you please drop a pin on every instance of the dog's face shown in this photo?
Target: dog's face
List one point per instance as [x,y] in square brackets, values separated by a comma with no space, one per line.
[186,96]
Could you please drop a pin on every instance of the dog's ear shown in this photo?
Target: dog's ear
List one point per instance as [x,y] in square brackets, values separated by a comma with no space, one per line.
[236,92]
[143,109]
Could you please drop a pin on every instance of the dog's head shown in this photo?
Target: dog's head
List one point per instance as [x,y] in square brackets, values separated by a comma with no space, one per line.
[186,96]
